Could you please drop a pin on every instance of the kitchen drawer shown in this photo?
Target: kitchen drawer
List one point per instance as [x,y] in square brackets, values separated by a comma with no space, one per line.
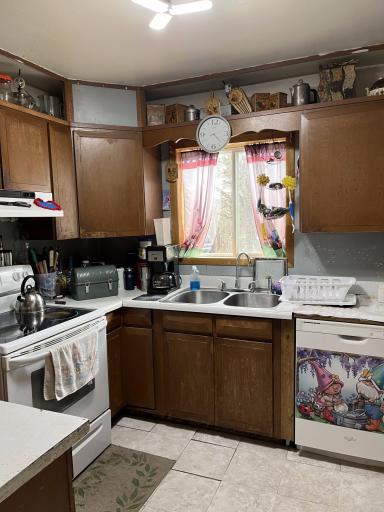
[136,317]
[244,328]
[113,320]
[189,323]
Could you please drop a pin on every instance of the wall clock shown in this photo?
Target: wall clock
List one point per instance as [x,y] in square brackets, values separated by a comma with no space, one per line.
[213,133]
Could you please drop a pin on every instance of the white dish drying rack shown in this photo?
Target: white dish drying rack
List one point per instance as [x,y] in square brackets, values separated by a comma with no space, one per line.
[325,290]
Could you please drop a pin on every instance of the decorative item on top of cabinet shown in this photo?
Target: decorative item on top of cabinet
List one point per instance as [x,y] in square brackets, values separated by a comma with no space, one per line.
[175,113]
[24,152]
[155,114]
[341,183]
[260,101]
[213,105]
[110,183]
[337,81]
[239,100]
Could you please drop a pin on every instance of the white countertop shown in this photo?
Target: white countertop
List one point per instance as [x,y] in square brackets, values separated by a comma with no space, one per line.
[30,439]
[367,308]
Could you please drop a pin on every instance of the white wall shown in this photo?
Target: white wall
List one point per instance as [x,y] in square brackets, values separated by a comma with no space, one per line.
[104,105]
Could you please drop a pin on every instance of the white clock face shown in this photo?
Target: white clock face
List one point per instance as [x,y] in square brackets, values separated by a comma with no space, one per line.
[213,133]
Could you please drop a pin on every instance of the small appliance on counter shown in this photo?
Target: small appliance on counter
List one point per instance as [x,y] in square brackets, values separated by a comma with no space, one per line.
[163,269]
[94,282]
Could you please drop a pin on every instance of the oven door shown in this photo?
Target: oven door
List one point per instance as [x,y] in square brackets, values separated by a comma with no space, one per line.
[23,373]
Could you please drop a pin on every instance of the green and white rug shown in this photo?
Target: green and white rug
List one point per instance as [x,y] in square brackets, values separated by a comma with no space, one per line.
[119,480]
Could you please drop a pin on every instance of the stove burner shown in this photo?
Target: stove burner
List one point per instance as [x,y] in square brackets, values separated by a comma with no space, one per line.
[60,314]
[10,333]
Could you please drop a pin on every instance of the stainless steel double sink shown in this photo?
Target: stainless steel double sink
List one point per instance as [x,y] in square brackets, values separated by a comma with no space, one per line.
[242,299]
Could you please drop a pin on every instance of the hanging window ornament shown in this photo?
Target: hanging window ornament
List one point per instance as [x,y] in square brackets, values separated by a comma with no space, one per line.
[289,182]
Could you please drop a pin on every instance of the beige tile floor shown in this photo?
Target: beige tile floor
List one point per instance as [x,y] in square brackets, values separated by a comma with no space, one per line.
[222,473]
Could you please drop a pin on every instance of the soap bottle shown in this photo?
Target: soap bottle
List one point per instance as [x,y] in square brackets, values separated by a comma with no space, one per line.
[194,280]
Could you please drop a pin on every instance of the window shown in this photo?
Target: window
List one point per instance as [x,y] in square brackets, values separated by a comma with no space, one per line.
[220,214]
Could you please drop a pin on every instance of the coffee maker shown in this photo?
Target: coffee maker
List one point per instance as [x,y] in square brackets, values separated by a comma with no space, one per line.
[163,269]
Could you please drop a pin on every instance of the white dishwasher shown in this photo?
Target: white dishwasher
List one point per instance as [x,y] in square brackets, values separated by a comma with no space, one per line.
[339,388]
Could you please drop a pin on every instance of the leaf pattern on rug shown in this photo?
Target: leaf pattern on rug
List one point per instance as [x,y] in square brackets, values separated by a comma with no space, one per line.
[145,473]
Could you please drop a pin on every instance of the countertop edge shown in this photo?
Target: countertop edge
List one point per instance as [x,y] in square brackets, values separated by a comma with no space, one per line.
[43,461]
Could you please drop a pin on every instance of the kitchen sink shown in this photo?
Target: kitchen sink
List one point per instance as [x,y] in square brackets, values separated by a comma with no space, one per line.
[197,297]
[253,300]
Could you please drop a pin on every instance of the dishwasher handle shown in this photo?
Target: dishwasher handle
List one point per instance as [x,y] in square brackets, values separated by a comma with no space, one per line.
[353,340]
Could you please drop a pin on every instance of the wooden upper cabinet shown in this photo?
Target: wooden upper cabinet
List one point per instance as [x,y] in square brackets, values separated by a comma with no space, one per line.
[64,181]
[24,152]
[110,183]
[341,169]
[244,385]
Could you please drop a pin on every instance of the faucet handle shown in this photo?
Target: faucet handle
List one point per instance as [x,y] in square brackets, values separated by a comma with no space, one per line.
[269,279]
[222,285]
[252,286]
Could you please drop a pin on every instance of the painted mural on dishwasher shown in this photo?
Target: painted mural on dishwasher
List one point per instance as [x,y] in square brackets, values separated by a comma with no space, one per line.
[340,388]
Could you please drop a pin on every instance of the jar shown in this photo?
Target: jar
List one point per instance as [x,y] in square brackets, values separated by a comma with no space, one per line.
[129,278]
[5,88]
[192,113]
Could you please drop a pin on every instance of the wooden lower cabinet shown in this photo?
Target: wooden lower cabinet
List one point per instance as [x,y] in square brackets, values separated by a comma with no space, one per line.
[115,375]
[137,366]
[49,490]
[189,376]
[244,385]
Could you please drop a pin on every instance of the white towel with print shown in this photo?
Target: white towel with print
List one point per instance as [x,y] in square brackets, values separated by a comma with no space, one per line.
[70,367]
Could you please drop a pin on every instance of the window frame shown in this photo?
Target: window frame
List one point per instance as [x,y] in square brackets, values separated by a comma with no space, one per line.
[177,196]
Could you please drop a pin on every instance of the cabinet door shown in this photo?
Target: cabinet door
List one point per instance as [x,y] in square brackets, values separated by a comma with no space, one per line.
[244,385]
[110,183]
[24,152]
[116,398]
[341,182]
[189,374]
[64,181]
[137,367]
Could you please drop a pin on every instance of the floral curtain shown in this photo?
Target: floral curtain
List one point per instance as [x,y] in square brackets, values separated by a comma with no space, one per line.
[267,167]
[198,168]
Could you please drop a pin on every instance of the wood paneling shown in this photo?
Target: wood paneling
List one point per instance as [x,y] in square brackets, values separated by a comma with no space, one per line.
[152,187]
[137,367]
[244,385]
[49,490]
[341,185]
[114,320]
[115,375]
[189,374]
[68,101]
[192,323]
[244,328]
[64,181]
[137,317]
[24,152]
[287,373]
[110,183]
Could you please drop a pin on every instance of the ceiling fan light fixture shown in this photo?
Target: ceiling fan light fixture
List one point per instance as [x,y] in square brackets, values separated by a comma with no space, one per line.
[160,21]
[190,7]
[154,5]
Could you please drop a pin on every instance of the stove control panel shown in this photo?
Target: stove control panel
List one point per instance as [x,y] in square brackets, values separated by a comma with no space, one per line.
[12,277]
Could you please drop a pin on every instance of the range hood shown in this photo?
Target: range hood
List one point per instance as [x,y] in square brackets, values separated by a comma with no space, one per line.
[20,204]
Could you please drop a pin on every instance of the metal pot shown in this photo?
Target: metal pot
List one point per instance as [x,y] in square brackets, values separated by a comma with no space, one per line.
[192,113]
[301,93]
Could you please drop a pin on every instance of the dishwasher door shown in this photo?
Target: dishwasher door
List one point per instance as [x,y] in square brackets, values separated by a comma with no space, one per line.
[339,388]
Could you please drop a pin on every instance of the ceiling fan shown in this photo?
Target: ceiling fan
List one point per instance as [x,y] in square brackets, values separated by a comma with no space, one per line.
[165,10]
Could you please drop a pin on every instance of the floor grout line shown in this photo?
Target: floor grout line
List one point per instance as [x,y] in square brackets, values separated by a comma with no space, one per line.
[195,474]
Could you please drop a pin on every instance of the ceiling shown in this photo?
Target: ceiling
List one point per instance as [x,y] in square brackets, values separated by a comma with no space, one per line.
[110,41]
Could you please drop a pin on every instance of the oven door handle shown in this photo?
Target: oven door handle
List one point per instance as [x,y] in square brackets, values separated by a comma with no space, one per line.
[24,361]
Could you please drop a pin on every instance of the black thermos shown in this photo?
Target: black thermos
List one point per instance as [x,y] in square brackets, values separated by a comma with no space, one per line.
[129,278]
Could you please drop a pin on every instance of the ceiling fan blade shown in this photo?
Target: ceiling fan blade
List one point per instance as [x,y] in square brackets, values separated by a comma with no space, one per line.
[160,20]
[191,7]
[153,5]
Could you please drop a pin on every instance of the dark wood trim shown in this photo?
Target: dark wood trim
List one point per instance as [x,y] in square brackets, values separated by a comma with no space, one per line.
[141,108]
[31,64]
[287,380]
[68,101]
[33,113]
[277,383]
[106,85]
[262,67]
[94,126]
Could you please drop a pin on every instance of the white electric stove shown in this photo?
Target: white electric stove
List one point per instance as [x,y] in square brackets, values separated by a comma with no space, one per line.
[22,364]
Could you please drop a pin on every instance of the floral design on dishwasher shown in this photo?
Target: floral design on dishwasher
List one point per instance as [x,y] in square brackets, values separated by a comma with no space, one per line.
[340,388]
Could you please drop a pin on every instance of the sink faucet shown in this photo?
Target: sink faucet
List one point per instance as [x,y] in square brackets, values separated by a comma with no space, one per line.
[237,282]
